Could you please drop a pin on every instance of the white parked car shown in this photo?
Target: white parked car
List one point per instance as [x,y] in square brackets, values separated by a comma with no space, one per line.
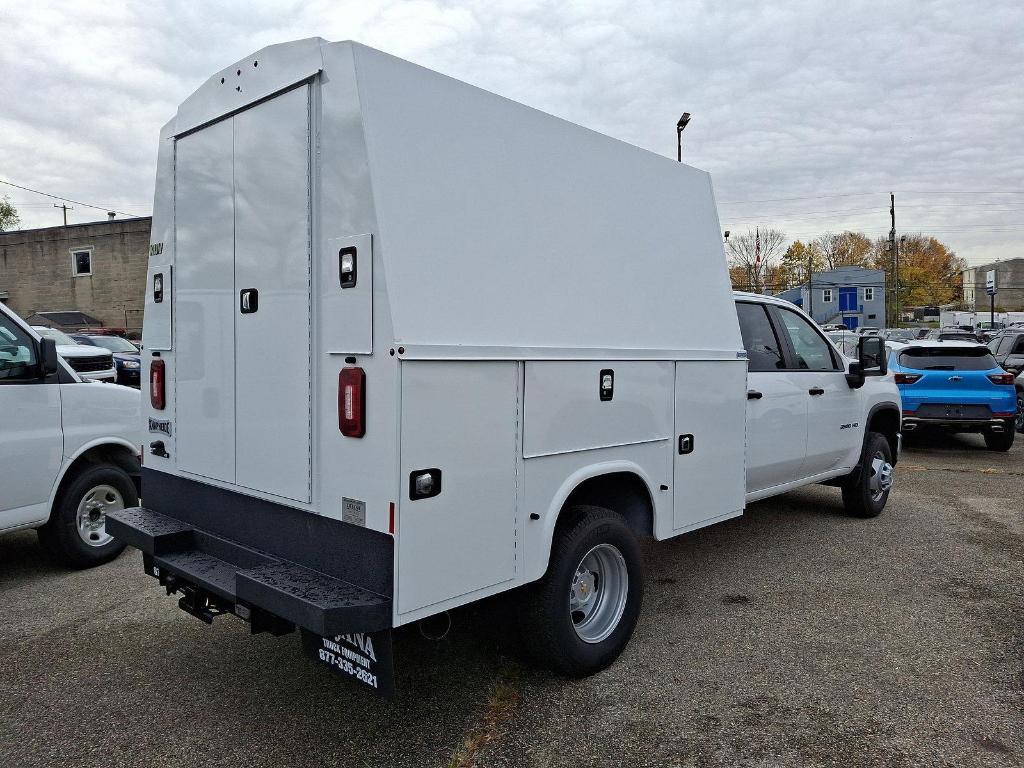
[492,371]
[69,452]
[91,363]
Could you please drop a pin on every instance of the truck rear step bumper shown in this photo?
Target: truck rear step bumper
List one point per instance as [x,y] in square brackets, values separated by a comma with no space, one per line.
[265,562]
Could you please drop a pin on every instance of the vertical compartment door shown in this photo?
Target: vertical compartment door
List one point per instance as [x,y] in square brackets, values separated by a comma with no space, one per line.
[204,377]
[709,442]
[272,296]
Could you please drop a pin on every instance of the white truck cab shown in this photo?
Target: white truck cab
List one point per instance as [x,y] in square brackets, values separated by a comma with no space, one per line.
[69,448]
[396,367]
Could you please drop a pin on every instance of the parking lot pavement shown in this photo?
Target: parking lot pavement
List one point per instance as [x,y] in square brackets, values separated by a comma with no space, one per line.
[793,636]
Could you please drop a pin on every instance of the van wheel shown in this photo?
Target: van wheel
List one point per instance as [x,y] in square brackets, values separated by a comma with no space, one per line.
[577,619]
[867,488]
[1001,441]
[76,531]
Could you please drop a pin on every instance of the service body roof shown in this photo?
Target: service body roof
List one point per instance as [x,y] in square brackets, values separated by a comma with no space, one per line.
[500,226]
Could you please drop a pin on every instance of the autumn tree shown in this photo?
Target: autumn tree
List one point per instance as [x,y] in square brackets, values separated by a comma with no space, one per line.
[845,249]
[755,257]
[9,218]
[795,262]
[929,270]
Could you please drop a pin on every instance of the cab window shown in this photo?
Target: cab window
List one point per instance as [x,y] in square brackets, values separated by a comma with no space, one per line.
[810,350]
[764,353]
[17,353]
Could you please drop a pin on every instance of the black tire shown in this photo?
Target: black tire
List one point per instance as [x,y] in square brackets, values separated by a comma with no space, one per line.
[1001,441]
[545,622]
[60,536]
[1020,411]
[859,498]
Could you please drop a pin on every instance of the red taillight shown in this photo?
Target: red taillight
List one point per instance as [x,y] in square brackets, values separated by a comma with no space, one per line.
[352,402]
[907,378]
[1001,378]
[156,384]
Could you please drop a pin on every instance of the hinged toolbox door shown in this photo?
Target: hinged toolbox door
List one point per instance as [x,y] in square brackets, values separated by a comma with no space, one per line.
[709,444]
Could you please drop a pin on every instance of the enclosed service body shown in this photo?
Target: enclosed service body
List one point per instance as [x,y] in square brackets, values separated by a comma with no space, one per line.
[394,323]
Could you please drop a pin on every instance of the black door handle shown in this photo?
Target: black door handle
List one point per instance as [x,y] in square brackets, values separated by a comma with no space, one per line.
[753,394]
[815,391]
[248,300]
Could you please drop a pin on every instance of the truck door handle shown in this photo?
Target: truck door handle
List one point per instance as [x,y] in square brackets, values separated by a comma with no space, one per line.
[248,300]
[815,391]
[753,394]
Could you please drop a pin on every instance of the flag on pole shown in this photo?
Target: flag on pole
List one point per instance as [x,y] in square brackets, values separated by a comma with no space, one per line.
[757,246]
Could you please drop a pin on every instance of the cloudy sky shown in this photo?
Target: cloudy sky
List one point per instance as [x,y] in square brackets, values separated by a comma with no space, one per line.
[805,117]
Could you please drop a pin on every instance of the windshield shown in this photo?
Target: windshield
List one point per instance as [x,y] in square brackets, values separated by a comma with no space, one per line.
[901,335]
[113,343]
[949,359]
[59,337]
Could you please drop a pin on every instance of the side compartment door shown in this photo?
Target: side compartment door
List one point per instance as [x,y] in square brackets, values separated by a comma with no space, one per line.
[461,419]
[708,445]
[776,404]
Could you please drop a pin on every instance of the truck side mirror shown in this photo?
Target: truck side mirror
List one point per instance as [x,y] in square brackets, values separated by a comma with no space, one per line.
[48,356]
[871,355]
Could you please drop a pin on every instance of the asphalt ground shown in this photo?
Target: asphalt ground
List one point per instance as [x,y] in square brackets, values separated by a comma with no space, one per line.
[793,636]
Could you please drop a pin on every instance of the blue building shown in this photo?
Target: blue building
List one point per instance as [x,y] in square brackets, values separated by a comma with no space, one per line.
[850,296]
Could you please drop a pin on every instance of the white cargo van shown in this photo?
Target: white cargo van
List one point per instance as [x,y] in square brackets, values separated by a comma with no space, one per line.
[410,344]
[69,448]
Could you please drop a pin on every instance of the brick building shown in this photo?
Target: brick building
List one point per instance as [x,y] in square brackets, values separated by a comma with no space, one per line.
[98,269]
[1009,285]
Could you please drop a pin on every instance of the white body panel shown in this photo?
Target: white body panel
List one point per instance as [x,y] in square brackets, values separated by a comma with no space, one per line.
[46,426]
[565,413]
[462,418]
[776,429]
[493,288]
[708,481]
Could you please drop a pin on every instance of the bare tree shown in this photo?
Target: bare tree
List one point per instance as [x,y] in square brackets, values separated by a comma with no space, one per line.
[744,250]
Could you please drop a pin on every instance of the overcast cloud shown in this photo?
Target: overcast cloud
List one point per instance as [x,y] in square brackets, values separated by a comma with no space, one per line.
[789,99]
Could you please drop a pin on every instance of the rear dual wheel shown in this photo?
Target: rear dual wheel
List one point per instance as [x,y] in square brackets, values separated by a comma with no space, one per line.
[577,619]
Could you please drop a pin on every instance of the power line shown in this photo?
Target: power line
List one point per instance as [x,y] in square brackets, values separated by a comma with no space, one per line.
[65,199]
[864,194]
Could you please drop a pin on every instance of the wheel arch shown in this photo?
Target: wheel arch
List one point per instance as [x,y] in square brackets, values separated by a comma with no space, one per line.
[112,450]
[623,487]
[885,418]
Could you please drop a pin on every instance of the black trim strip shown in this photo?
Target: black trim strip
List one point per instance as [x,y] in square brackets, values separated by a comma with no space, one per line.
[355,554]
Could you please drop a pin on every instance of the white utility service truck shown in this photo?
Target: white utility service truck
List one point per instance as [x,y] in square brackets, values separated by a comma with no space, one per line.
[410,344]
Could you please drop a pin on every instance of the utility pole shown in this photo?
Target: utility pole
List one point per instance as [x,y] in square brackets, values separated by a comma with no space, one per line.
[810,286]
[65,207]
[896,258]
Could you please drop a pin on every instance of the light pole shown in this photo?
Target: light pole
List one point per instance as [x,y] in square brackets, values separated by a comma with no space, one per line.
[683,122]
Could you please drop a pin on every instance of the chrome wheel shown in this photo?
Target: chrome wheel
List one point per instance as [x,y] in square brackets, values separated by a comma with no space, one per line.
[597,595]
[881,476]
[91,518]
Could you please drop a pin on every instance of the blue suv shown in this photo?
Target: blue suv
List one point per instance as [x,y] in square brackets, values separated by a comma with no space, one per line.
[956,386]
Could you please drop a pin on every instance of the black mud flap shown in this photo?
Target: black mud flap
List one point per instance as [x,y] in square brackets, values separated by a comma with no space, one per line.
[363,657]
